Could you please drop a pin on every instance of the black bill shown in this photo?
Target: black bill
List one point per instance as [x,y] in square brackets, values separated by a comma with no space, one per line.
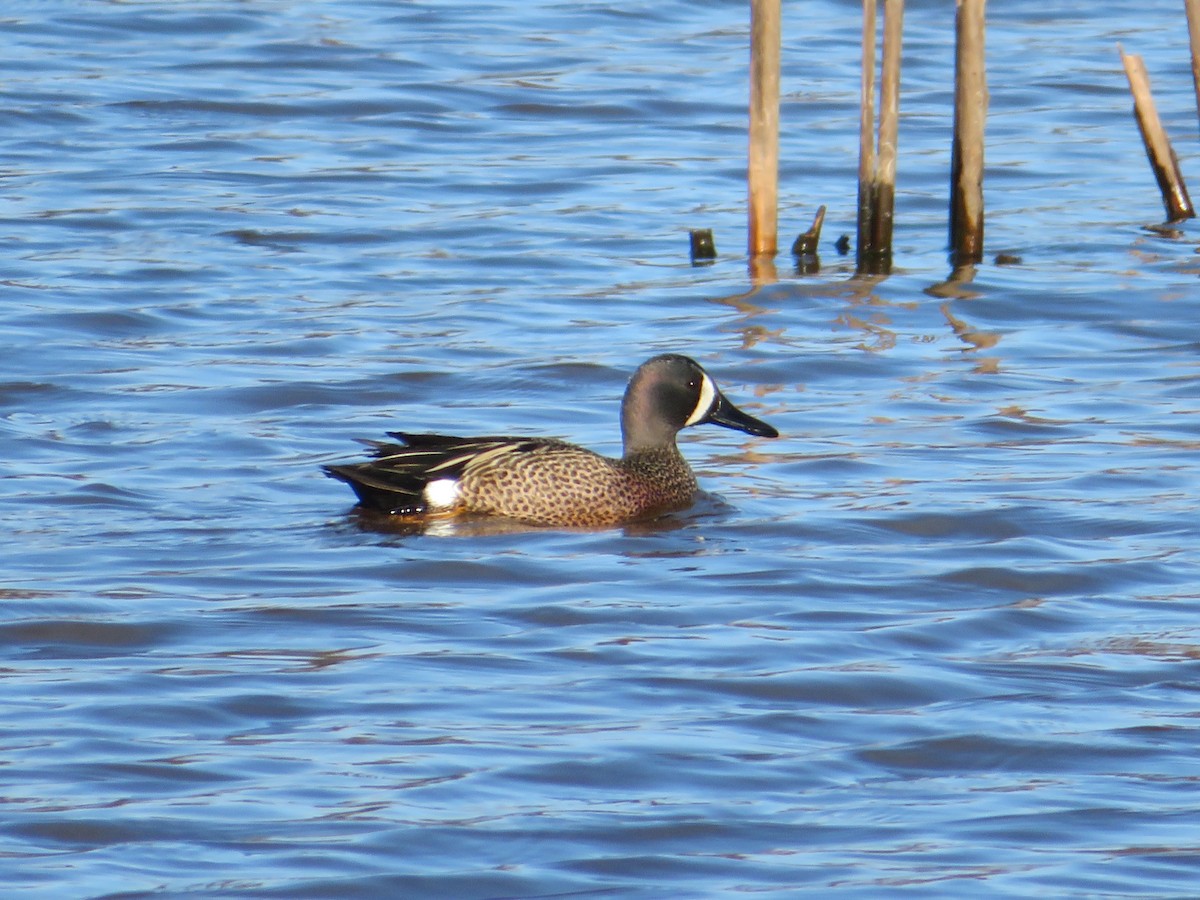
[725,413]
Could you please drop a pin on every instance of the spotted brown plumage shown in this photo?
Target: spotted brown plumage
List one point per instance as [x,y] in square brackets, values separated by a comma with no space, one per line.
[543,481]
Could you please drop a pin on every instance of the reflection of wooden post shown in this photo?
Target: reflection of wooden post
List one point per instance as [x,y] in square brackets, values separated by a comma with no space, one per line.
[1158,147]
[763,169]
[877,161]
[970,111]
[1193,17]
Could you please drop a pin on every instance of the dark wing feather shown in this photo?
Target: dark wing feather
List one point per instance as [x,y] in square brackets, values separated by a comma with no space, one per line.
[382,489]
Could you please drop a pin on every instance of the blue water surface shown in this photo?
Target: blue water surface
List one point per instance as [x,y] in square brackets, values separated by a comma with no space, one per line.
[940,638]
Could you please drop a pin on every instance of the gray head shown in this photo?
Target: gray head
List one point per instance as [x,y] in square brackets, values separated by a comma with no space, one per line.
[671,392]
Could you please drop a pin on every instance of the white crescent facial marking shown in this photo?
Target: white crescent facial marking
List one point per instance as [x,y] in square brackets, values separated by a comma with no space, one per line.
[442,493]
[708,393]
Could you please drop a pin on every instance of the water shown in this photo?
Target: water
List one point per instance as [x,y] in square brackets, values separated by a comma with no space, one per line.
[940,637]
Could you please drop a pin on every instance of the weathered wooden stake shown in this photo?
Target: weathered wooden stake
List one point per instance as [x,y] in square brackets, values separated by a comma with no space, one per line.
[763,167]
[970,112]
[877,158]
[1158,147]
[1193,17]
[866,137]
[889,126]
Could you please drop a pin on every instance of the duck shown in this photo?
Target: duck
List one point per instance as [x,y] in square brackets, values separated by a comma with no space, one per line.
[546,481]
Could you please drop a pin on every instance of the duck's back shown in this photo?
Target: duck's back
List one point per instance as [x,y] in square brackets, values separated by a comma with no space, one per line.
[561,484]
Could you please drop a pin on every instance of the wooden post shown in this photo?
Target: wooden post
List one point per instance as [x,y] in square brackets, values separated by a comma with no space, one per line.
[970,112]
[763,166]
[877,158]
[889,126]
[1158,147]
[1193,17]
[866,138]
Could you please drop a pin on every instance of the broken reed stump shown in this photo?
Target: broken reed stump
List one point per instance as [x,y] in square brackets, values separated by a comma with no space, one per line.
[877,156]
[966,154]
[1193,18]
[704,248]
[806,242]
[1158,148]
[866,130]
[762,170]
[805,247]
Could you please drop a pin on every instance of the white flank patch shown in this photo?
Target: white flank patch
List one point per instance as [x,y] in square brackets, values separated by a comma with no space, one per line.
[708,393]
[441,494]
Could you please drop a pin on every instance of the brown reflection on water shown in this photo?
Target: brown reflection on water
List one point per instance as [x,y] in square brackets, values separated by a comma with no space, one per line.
[755,334]
[870,312]
[1157,647]
[763,271]
[472,526]
[1021,414]
[877,336]
[869,316]
[974,340]
[752,334]
[436,526]
[1166,650]
[292,659]
[972,337]
[956,288]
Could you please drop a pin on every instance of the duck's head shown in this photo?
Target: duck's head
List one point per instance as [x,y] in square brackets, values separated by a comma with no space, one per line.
[670,392]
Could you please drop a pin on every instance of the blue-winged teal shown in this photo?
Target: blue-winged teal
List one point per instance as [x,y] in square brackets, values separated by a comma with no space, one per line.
[548,482]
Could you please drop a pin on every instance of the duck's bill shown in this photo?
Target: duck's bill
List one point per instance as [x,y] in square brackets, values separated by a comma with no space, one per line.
[725,413]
